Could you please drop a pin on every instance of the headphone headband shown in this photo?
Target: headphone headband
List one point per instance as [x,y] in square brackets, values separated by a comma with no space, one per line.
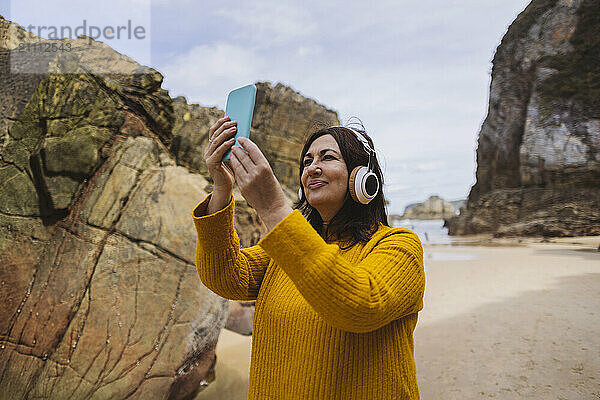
[360,136]
[363,182]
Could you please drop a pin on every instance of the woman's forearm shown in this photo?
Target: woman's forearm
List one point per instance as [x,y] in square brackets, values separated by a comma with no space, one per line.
[218,201]
[274,216]
[222,266]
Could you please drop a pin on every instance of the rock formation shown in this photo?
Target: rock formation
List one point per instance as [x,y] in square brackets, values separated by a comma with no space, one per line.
[538,158]
[99,172]
[433,208]
[241,317]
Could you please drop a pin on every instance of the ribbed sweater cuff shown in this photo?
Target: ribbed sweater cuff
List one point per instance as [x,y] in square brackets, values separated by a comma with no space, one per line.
[214,228]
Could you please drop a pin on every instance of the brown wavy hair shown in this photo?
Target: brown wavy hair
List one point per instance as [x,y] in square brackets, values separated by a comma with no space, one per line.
[354,222]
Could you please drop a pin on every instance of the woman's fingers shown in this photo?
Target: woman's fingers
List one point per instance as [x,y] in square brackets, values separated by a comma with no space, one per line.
[221,127]
[250,174]
[221,138]
[227,166]
[224,129]
[219,152]
[252,150]
[243,157]
[218,133]
[241,171]
[214,127]
[252,158]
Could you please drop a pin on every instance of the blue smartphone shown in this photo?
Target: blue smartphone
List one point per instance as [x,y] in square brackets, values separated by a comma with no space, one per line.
[240,107]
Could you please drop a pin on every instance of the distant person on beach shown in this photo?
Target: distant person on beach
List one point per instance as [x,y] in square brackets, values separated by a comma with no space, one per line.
[337,290]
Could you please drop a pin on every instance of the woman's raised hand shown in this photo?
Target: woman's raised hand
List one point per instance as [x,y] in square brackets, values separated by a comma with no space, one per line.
[258,184]
[221,136]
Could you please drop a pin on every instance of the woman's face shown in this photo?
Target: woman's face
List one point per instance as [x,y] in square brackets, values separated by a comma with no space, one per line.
[325,177]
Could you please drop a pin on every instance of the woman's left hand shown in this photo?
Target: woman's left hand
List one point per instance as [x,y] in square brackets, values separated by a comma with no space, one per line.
[258,184]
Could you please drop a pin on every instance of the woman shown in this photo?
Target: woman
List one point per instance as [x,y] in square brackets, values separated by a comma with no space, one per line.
[337,290]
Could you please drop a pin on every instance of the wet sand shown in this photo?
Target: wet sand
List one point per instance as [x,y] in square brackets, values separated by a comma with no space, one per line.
[507,319]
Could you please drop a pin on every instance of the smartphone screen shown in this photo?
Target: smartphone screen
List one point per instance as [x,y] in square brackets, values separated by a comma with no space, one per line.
[240,107]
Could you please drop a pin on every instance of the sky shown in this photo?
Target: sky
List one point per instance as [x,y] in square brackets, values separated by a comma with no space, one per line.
[416,73]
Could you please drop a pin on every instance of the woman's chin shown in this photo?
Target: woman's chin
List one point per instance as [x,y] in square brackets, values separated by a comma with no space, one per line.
[320,204]
[315,201]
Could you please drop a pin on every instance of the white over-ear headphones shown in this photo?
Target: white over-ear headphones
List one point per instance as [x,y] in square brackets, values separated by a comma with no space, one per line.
[363,183]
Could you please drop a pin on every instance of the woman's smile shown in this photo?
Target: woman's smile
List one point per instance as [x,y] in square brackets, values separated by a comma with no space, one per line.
[316,184]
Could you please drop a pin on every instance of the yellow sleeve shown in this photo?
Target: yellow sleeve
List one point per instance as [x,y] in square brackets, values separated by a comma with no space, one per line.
[358,297]
[223,267]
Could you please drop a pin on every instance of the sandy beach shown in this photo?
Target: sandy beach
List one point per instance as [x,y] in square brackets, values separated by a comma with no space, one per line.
[503,318]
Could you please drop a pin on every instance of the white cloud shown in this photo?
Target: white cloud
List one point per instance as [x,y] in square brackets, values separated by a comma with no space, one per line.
[268,23]
[309,51]
[206,73]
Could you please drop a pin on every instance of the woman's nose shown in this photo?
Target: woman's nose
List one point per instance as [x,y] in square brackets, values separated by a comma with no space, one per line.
[313,169]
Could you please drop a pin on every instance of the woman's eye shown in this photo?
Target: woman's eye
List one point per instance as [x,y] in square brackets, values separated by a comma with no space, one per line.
[328,157]
[306,162]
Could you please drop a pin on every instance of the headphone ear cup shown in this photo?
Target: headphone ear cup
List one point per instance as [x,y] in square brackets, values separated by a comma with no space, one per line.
[352,183]
[363,185]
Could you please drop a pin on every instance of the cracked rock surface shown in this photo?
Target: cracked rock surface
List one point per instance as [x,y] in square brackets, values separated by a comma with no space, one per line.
[538,155]
[99,173]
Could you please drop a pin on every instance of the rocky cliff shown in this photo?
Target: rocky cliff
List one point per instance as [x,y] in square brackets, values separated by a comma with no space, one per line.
[99,172]
[538,155]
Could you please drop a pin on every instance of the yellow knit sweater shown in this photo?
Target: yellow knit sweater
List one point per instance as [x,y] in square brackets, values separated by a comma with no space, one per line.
[329,323]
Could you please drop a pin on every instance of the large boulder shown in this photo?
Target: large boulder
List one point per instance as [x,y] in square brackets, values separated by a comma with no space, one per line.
[100,294]
[538,159]
[99,172]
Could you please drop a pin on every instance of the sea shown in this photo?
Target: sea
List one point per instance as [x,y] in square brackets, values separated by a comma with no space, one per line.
[433,232]
[430,231]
